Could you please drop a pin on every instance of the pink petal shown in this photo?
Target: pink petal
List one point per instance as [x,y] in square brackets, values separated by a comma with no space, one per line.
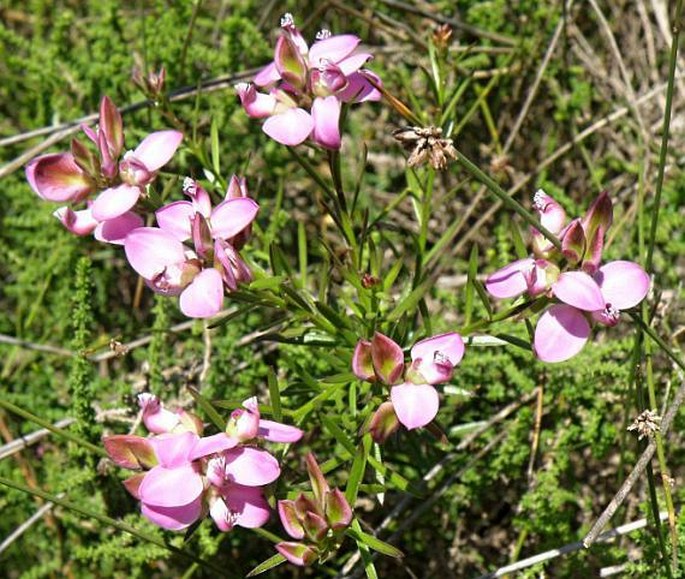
[115,230]
[333,48]
[287,512]
[247,504]
[204,297]
[449,345]
[624,284]
[161,421]
[174,450]
[231,216]
[56,177]
[176,218]
[268,75]
[77,222]
[326,117]
[552,215]
[289,128]
[415,404]
[359,89]
[115,201]
[171,487]
[561,333]
[150,250]
[173,518]
[256,104]
[353,63]
[277,432]
[297,553]
[157,149]
[251,466]
[509,281]
[212,444]
[578,289]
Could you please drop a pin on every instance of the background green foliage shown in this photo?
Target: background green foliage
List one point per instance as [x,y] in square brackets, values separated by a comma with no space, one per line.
[530,481]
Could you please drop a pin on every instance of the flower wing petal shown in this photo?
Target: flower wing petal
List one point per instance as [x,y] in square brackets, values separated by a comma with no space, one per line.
[561,333]
[415,404]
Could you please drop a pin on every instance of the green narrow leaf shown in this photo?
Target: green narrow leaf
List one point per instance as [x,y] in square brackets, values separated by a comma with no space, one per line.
[391,276]
[358,468]
[338,434]
[302,251]
[483,295]
[374,543]
[207,407]
[365,554]
[519,244]
[270,563]
[471,277]
[411,301]
[216,159]
[274,394]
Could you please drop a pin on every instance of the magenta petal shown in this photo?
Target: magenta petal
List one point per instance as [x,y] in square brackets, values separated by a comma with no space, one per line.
[174,450]
[173,518]
[77,222]
[277,432]
[115,230]
[359,89]
[251,466]
[269,74]
[415,404]
[289,128]
[326,116]
[204,297]
[578,289]
[256,104]
[333,48]
[156,149]
[231,216]
[115,201]
[176,218]
[449,345]
[212,444]
[57,177]
[171,487]
[353,63]
[624,284]
[561,333]
[509,281]
[150,250]
[247,505]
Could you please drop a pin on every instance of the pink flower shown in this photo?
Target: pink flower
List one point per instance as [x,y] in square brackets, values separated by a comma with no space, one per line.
[307,85]
[595,293]
[414,399]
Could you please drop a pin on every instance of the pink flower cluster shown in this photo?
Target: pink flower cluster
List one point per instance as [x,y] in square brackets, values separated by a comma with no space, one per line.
[200,272]
[306,86]
[186,476]
[119,182]
[317,523]
[413,399]
[583,290]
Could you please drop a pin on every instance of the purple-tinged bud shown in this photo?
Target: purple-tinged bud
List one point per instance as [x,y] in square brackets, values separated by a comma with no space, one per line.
[297,553]
[384,423]
[130,451]
[319,484]
[201,235]
[289,29]
[132,484]
[57,177]
[290,63]
[388,358]
[362,363]
[287,511]
[244,422]
[304,505]
[315,526]
[189,422]
[573,243]
[338,511]
[599,216]
[85,158]
[112,127]
[552,215]
[593,255]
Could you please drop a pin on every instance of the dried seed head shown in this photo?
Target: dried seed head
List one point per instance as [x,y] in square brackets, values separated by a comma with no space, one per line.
[441,36]
[426,144]
[646,424]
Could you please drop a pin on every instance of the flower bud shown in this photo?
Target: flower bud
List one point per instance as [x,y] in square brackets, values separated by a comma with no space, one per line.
[388,358]
[297,553]
[130,451]
[573,243]
[383,423]
[362,364]
[338,511]
[287,512]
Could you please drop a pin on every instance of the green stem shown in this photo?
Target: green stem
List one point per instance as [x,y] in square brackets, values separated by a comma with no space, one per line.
[52,428]
[659,342]
[77,508]
[664,133]
[506,200]
[481,324]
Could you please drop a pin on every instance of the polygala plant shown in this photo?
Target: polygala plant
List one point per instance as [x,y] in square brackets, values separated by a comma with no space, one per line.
[328,316]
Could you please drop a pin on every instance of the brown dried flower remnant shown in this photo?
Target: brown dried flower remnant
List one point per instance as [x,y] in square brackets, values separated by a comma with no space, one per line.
[442,36]
[426,144]
[646,424]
